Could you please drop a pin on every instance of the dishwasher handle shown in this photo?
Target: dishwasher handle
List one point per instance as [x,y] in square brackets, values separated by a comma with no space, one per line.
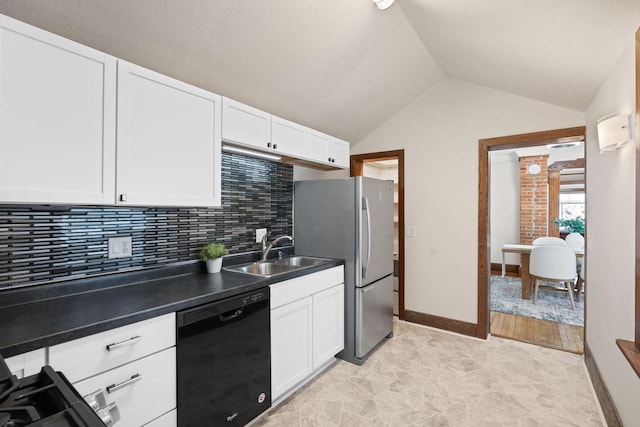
[236,313]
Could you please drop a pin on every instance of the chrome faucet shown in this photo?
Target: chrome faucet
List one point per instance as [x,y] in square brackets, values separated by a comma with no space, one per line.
[265,248]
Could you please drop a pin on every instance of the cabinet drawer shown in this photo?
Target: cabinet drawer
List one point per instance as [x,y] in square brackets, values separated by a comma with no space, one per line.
[300,287]
[169,419]
[88,356]
[139,400]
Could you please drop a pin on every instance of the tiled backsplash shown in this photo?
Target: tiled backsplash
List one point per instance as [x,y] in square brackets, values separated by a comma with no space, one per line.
[41,244]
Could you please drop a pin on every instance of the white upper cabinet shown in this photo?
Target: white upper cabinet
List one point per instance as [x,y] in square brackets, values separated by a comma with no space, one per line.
[289,138]
[294,140]
[317,145]
[168,141]
[338,153]
[57,119]
[242,124]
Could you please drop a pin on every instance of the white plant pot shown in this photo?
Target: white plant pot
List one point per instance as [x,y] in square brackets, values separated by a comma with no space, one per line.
[214,265]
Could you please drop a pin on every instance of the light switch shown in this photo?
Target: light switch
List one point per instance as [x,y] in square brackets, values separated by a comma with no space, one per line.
[411,231]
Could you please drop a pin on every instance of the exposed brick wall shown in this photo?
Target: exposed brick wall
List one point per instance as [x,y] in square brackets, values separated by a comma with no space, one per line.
[533,199]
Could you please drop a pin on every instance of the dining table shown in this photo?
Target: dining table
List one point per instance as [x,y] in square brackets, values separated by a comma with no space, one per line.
[525,256]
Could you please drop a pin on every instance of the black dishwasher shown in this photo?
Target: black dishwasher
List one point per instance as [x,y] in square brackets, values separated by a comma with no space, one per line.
[224,361]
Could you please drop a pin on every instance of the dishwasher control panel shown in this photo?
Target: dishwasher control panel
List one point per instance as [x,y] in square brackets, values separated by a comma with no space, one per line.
[254,297]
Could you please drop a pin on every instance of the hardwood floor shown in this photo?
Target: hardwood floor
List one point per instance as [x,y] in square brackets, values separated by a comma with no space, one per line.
[540,332]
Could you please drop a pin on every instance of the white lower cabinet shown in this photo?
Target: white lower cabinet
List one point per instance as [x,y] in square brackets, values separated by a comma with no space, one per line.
[143,390]
[134,365]
[307,327]
[291,345]
[328,325]
[170,419]
[87,356]
[26,364]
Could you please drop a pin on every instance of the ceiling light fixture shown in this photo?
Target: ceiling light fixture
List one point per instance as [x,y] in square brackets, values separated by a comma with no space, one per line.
[383,4]
[251,153]
[564,145]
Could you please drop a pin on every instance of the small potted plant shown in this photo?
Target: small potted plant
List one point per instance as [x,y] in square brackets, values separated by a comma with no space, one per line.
[571,225]
[212,254]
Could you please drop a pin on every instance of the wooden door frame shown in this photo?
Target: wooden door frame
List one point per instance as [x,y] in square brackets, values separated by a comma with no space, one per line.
[484,237]
[357,169]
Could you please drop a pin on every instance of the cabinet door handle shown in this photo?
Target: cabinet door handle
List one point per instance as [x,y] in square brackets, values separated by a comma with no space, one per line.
[125,383]
[130,341]
[268,145]
[275,146]
[123,197]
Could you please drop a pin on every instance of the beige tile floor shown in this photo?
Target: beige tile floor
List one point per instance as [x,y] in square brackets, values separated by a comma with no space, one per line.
[425,377]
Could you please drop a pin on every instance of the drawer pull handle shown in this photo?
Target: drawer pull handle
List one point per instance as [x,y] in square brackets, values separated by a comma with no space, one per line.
[130,341]
[125,383]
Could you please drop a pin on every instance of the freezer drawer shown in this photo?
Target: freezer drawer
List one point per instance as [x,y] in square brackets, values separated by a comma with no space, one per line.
[374,314]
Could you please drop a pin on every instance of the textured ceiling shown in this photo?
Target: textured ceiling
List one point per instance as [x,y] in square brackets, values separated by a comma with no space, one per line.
[556,51]
[343,66]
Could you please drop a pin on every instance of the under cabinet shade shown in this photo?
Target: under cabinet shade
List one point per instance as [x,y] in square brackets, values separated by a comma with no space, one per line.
[613,131]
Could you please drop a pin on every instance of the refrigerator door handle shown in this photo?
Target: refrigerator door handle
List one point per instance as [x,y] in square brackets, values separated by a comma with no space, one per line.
[366,208]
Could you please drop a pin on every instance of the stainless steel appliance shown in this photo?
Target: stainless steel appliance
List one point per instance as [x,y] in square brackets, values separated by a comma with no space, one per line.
[352,219]
[47,399]
[224,361]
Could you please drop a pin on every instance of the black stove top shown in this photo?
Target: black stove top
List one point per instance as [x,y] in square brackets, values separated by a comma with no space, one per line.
[43,399]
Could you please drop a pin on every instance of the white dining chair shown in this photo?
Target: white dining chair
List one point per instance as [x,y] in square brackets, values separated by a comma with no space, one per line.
[549,241]
[553,264]
[575,241]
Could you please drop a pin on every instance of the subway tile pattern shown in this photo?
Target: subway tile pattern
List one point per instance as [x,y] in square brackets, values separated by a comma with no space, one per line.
[42,244]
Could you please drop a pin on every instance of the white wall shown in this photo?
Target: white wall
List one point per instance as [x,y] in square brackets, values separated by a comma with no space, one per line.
[439,133]
[611,241]
[505,204]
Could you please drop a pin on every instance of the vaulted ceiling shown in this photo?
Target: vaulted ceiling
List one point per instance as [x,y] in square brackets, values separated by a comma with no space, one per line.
[343,66]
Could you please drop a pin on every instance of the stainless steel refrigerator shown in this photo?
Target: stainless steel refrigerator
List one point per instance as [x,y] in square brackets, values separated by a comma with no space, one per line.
[352,219]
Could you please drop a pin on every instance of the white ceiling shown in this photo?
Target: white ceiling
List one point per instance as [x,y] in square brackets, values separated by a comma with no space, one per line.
[345,67]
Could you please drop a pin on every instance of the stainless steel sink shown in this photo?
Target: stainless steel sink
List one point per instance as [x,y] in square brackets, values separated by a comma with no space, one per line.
[275,267]
[300,261]
[261,268]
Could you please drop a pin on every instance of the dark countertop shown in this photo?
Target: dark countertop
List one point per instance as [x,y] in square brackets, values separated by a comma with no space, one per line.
[46,315]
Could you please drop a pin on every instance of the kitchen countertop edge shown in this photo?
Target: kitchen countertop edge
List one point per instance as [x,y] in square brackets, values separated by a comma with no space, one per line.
[247,283]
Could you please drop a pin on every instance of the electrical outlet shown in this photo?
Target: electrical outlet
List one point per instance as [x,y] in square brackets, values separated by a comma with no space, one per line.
[260,233]
[411,231]
[119,247]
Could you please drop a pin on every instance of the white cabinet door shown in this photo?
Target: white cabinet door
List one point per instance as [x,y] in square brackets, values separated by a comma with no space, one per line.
[288,138]
[168,141]
[328,325]
[317,146]
[57,119]
[291,345]
[26,364]
[143,390]
[242,124]
[338,153]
